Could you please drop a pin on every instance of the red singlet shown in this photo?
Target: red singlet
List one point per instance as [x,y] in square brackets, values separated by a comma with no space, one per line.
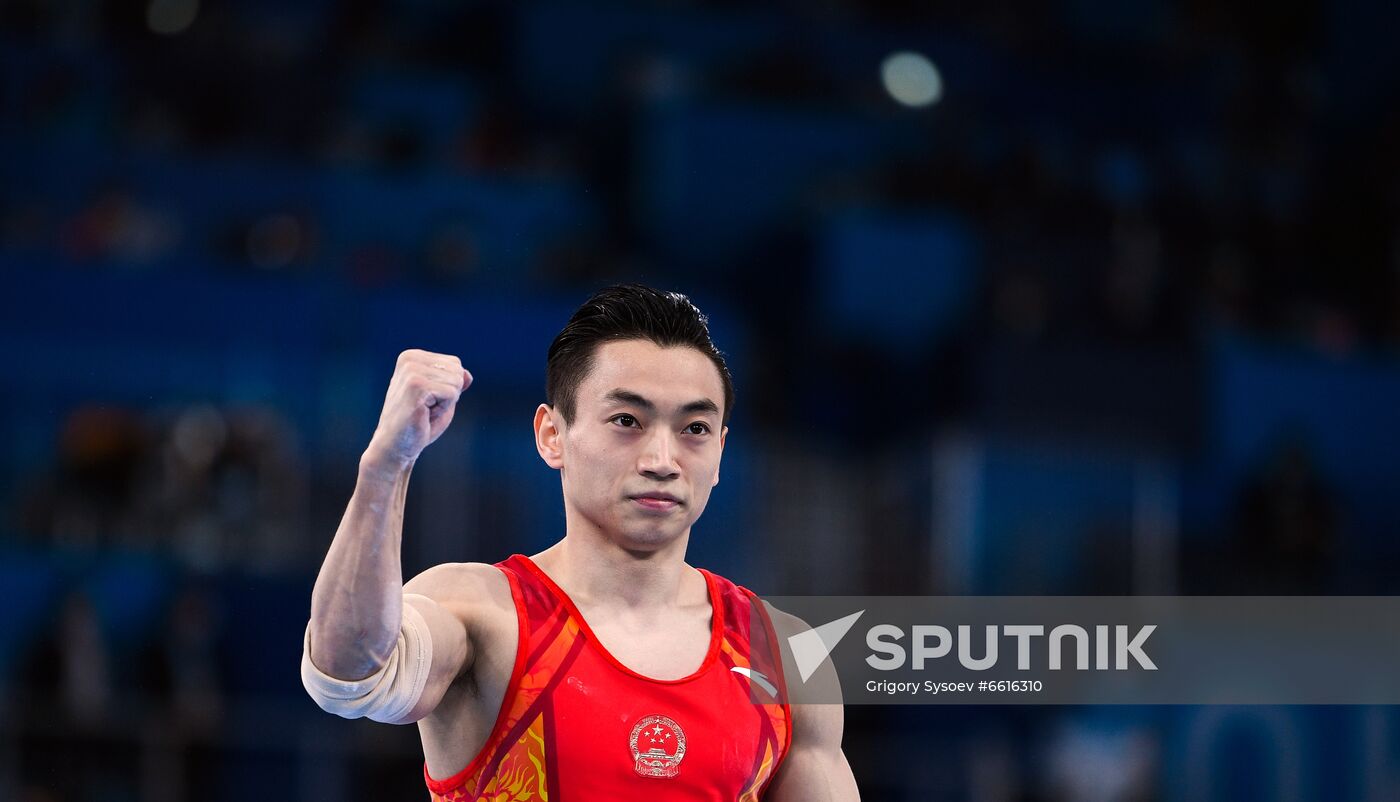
[576,725]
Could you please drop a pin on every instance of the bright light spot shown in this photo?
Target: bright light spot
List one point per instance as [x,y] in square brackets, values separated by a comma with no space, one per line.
[171,16]
[911,79]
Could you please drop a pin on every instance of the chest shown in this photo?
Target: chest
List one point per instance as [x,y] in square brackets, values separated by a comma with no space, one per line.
[663,647]
[612,705]
[700,738]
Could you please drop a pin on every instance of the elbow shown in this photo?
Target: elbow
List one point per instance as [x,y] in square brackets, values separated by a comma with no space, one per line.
[390,693]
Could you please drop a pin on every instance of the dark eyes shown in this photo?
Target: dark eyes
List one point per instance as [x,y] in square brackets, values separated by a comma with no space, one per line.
[631,422]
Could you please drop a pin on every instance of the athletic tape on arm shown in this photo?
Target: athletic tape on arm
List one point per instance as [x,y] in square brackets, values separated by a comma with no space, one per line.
[387,695]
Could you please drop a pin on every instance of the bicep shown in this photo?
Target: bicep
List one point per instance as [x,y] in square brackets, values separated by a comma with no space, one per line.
[445,596]
[451,653]
[815,770]
[815,767]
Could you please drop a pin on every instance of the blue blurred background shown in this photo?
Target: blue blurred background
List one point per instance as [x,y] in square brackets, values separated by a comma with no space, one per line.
[1074,298]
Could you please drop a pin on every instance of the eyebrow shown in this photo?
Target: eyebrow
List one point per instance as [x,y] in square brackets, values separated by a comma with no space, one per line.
[627,397]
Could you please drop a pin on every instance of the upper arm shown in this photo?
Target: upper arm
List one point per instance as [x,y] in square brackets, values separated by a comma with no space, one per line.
[815,768]
[448,597]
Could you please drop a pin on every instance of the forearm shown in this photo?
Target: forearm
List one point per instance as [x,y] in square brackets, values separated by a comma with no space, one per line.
[357,604]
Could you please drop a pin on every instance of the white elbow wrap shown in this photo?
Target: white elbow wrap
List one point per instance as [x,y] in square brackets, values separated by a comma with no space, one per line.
[387,695]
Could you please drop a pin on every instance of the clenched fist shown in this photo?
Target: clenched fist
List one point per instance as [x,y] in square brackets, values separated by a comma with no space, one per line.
[418,407]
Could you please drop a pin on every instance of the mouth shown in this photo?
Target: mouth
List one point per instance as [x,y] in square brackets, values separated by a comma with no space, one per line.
[656,501]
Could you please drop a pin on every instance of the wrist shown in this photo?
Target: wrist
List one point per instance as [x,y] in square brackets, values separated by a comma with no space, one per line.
[376,467]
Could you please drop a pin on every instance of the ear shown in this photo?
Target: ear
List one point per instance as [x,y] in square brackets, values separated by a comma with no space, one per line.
[722,432]
[549,436]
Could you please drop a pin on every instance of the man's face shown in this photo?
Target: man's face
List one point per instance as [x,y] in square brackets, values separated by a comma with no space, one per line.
[643,450]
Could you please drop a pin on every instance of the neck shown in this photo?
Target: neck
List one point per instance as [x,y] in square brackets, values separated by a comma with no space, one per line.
[595,570]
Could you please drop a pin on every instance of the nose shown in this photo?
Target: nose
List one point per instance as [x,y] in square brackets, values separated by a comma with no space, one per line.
[658,457]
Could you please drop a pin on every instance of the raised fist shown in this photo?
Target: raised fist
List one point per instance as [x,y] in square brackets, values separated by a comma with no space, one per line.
[419,405]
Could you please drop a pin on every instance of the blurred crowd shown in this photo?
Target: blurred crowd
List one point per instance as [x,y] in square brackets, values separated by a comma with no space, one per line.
[218,488]
[1268,203]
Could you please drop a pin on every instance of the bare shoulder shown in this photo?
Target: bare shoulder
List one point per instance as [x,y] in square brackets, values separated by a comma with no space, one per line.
[818,694]
[785,624]
[465,588]
[478,596]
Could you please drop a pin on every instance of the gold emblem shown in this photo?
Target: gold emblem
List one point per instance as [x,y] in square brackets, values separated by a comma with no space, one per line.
[658,746]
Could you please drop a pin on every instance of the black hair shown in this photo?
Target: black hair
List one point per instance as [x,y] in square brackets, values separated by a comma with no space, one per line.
[626,312]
